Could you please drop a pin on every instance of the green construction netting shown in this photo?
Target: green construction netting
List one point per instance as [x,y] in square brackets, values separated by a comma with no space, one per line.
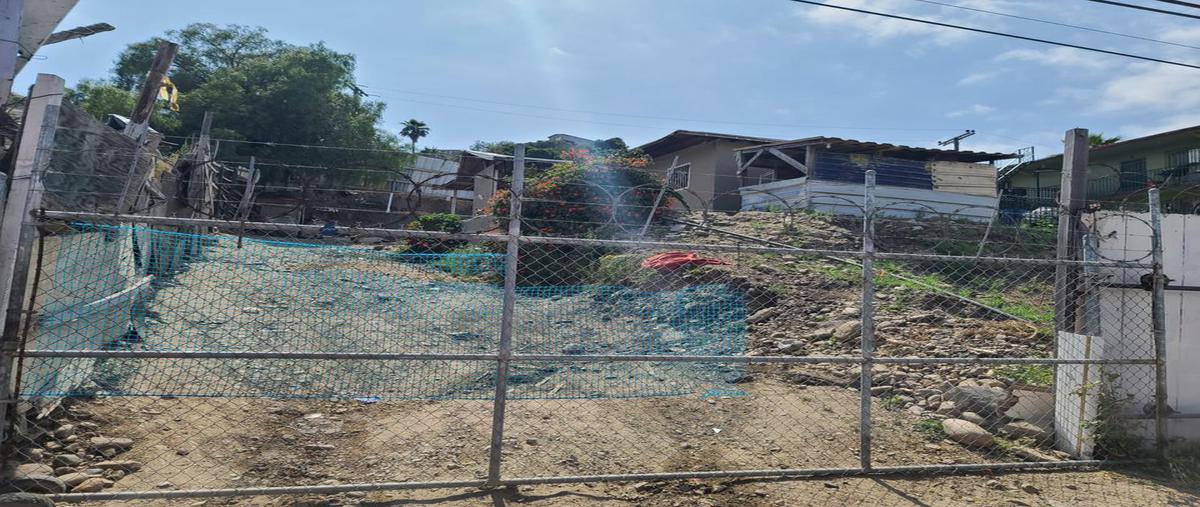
[131,288]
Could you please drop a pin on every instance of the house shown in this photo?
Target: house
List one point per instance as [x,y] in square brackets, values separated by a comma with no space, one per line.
[480,174]
[827,174]
[705,172]
[1115,170]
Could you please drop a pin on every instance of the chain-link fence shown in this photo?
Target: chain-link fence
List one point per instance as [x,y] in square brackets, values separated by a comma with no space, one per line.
[167,357]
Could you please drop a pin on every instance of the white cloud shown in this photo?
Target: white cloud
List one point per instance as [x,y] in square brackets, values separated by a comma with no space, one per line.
[977,77]
[558,51]
[1154,87]
[1060,57]
[972,110]
[877,29]
[1182,35]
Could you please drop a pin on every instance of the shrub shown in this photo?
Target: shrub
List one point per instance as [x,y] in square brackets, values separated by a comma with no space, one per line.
[587,196]
[435,222]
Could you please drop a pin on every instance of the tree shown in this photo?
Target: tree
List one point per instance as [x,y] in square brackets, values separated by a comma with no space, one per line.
[292,101]
[1098,139]
[414,129]
[553,149]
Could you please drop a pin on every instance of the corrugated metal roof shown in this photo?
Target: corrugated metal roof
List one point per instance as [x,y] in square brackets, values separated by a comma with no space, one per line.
[892,149]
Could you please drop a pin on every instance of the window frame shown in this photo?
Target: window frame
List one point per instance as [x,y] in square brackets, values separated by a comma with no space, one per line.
[673,172]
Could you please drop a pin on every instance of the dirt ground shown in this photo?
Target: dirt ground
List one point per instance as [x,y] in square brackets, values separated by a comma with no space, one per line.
[193,443]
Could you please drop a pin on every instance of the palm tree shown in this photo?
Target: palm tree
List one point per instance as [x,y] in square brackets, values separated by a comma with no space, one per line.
[414,129]
[1098,139]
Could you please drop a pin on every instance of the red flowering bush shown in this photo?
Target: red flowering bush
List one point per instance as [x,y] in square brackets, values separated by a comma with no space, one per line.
[589,196]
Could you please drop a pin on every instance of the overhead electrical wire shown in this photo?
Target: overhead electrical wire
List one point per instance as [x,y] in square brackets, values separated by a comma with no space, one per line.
[1144,8]
[1056,23]
[1181,2]
[628,115]
[1001,34]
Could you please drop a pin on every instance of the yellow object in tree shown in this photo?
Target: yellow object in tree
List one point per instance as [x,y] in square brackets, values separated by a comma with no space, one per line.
[169,93]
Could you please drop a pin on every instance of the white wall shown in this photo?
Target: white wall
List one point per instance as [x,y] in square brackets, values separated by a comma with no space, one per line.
[847,199]
[1125,318]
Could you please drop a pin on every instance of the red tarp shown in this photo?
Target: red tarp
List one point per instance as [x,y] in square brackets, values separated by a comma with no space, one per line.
[671,260]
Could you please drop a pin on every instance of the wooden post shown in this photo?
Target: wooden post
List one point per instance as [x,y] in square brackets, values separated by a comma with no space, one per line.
[10,31]
[1072,199]
[243,211]
[140,117]
[16,231]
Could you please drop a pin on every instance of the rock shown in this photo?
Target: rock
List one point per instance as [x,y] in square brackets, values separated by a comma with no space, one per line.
[464,336]
[1026,429]
[88,425]
[66,460]
[820,334]
[165,485]
[763,315]
[74,479]
[1030,454]
[850,312]
[989,402]
[848,330]
[24,500]
[531,441]
[1031,489]
[574,349]
[36,483]
[92,485]
[972,417]
[34,469]
[126,466]
[967,433]
[946,408]
[994,484]
[370,240]
[252,310]
[792,348]
[117,444]
[64,431]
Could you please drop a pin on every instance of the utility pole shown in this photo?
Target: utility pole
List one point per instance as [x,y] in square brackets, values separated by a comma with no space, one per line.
[1072,198]
[955,140]
[140,118]
[10,31]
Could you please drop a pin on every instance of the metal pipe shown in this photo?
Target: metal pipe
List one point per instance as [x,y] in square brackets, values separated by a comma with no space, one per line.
[867,315]
[794,473]
[495,454]
[1158,317]
[230,224]
[559,358]
[274,490]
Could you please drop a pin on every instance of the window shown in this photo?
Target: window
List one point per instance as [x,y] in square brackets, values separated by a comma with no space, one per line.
[1133,174]
[767,176]
[679,176]
[1183,158]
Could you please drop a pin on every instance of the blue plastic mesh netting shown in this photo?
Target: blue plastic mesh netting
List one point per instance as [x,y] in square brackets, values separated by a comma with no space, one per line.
[275,296]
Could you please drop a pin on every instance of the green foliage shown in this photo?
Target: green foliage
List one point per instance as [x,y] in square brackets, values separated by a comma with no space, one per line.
[101,99]
[1038,375]
[931,429]
[414,129]
[262,89]
[893,403]
[550,148]
[435,222]
[440,222]
[617,269]
[588,196]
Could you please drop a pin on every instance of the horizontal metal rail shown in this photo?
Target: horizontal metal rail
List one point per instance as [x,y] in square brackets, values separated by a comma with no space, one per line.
[232,225]
[796,473]
[557,358]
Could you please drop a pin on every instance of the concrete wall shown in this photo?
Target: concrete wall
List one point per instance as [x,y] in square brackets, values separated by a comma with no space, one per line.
[714,180]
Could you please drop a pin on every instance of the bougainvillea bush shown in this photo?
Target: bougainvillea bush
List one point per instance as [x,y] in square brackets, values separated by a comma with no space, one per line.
[589,196]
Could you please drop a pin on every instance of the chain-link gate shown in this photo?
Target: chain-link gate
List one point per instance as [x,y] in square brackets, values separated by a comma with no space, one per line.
[167,357]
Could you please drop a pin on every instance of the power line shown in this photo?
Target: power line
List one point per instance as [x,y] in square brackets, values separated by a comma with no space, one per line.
[1056,23]
[1181,2]
[628,115]
[1144,8]
[1001,34]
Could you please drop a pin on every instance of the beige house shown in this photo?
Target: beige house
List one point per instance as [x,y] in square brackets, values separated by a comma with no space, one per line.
[706,172]
[1167,159]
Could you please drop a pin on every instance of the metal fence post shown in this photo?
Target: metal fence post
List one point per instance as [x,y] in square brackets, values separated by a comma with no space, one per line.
[1158,318]
[506,317]
[868,321]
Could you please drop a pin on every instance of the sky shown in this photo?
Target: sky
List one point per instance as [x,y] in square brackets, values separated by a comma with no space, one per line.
[521,70]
